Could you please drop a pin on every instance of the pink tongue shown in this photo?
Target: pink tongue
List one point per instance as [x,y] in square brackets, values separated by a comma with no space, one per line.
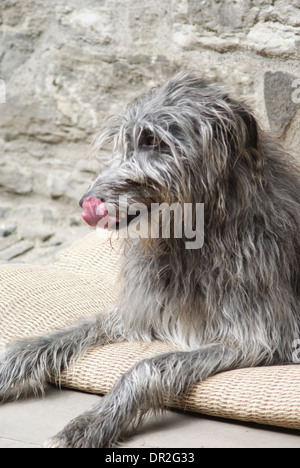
[94,211]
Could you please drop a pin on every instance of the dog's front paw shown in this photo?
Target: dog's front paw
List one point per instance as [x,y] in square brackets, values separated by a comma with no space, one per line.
[21,372]
[74,435]
[86,431]
[8,384]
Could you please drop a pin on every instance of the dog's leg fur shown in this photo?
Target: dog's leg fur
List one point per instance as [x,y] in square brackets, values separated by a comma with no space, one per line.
[146,386]
[26,365]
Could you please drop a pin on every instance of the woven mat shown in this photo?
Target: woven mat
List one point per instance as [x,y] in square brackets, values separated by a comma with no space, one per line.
[83,281]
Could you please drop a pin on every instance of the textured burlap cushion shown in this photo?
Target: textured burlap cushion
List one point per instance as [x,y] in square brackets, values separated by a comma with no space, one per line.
[81,282]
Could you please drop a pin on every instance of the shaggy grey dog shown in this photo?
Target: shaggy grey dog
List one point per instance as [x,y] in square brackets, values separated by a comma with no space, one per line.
[232,303]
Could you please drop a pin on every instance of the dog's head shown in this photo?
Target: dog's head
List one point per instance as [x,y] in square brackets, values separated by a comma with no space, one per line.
[181,142]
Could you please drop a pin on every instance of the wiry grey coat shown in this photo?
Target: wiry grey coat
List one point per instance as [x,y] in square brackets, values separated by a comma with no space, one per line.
[233,302]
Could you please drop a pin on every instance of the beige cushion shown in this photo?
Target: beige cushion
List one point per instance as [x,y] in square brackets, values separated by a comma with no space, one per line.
[81,282]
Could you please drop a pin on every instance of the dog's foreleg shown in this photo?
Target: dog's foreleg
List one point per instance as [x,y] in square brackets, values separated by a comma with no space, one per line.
[26,365]
[146,386]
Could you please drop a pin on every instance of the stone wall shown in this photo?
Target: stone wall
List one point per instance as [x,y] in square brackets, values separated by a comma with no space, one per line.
[67,65]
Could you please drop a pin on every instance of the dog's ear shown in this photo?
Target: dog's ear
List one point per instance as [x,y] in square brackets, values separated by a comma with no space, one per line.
[252,132]
[243,132]
[249,141]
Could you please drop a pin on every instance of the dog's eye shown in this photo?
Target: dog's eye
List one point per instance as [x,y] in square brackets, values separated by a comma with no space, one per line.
[152,140]
[148,138]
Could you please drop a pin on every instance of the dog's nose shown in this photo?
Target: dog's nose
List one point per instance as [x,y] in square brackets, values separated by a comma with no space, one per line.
[87,195]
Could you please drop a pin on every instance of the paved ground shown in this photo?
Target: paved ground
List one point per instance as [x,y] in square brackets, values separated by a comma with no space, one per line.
[29,423]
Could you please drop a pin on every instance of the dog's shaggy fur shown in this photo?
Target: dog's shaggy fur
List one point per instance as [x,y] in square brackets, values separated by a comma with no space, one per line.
[232,303]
